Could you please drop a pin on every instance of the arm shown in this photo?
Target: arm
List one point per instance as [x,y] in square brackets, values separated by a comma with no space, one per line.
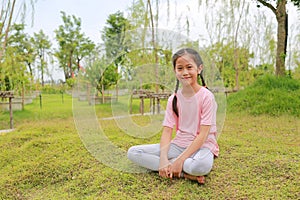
[176,167]
[165,141]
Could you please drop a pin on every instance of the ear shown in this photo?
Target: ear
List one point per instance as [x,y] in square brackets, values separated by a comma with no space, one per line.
[200,68]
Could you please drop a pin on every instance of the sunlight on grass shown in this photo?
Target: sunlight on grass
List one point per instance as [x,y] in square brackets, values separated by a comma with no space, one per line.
[44,158]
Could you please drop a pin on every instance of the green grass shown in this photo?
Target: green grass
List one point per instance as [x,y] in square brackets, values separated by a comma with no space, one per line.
[44,158]
[268,95]
[51,107]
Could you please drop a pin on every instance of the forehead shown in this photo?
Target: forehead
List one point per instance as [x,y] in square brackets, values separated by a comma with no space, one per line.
[185,59]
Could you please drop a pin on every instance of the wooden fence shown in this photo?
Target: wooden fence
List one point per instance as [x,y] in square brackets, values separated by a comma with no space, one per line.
[8,95]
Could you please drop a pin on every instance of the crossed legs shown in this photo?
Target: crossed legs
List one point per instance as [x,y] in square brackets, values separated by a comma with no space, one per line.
[198,165]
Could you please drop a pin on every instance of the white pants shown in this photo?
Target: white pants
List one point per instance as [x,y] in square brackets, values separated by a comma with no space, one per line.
[200,163]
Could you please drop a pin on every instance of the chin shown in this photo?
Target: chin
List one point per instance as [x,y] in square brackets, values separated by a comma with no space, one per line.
[186,83]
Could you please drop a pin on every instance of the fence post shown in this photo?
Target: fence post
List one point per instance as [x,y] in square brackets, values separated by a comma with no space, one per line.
[11,113]
[40,101]
[142,105]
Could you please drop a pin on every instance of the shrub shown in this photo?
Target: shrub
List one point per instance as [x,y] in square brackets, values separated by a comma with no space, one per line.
[268,95]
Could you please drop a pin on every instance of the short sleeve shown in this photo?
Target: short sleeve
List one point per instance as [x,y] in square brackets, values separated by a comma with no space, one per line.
[169,119]
[208,109]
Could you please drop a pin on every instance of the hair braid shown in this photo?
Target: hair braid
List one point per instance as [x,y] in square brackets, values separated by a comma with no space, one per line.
[202,79]
[174,102]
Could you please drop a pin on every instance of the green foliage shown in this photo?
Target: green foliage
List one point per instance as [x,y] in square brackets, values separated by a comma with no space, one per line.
[296,73]
[73,45]
[13,73]
[225,56]
[42,46]
[99,73]
[113,37]
[70,82]
[110,76]
[115,48]
[54,89]
[268,95]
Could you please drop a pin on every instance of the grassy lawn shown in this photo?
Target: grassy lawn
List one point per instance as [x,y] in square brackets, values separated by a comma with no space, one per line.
[44,158]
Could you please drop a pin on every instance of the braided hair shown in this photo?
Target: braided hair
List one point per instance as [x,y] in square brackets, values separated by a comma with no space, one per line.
[196,57]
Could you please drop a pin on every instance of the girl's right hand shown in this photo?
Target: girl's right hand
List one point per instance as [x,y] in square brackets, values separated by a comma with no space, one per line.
[164,169]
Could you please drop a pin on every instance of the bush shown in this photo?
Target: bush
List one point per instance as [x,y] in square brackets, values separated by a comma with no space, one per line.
[268,95]
[54,89]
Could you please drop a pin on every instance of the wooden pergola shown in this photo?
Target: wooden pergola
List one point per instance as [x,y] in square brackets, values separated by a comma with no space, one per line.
[8,95]
[154,99]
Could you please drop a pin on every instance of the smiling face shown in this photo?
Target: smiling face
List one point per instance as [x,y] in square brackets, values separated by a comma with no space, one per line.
[187,71]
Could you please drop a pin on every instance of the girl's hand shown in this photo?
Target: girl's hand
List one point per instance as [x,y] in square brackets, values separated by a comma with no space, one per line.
[176,168]
[164,168]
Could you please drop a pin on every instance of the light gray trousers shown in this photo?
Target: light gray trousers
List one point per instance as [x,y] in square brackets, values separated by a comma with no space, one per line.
[147,156]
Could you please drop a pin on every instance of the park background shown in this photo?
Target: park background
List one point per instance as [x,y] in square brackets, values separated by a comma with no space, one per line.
[253,66]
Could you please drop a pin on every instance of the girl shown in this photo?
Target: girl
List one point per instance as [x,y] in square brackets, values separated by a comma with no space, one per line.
[192,110]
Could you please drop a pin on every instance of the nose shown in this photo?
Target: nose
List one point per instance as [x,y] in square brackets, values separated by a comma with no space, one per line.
[185,71]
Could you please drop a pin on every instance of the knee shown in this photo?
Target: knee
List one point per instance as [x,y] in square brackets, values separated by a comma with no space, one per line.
[133,152]
[204,168]
[130,153]
[199,168]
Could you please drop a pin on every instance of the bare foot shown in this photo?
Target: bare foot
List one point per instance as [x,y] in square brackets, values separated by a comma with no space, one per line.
[200,179]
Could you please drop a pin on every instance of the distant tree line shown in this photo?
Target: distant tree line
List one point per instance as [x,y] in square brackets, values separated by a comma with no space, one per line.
[233,45]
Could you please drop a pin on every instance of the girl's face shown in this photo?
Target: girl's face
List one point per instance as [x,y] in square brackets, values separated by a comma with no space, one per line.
[187,71]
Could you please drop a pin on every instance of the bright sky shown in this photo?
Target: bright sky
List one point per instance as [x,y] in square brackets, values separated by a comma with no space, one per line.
[93,14]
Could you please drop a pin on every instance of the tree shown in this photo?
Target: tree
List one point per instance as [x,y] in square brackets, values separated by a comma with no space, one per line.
[143,17]
[230,32]
[73,45]
[7,14]
[225,62]
[7,11]
[113,37]
[84,48]
[282,30]
[42,47]
[241,11]
[98,73]
[66,35]
[154,34]
[14,75]
[29,53]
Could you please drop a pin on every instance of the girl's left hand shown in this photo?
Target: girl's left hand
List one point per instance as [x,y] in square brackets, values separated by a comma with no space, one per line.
[176,168]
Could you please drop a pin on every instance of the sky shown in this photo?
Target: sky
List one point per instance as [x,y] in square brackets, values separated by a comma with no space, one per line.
[93,15]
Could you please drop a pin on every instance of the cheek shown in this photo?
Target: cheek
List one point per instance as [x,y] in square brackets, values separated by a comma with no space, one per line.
[177,74]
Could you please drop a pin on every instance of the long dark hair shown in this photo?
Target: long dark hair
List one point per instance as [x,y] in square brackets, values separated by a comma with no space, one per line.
[198,60]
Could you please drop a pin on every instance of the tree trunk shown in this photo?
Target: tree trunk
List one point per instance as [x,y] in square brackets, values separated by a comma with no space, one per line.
[117,82]
[236,50]
[236,67]
[282,32]
[30,69]
[154,45]
[70,65]
[2,51]
[42,75]
[102,92]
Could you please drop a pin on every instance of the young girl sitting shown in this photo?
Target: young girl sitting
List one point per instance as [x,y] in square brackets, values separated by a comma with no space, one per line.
[192,110]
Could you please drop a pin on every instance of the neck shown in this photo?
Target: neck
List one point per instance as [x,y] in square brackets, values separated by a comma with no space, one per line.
[188,91]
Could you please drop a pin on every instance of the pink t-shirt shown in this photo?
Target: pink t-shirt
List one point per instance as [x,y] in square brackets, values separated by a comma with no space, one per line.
[200,109]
